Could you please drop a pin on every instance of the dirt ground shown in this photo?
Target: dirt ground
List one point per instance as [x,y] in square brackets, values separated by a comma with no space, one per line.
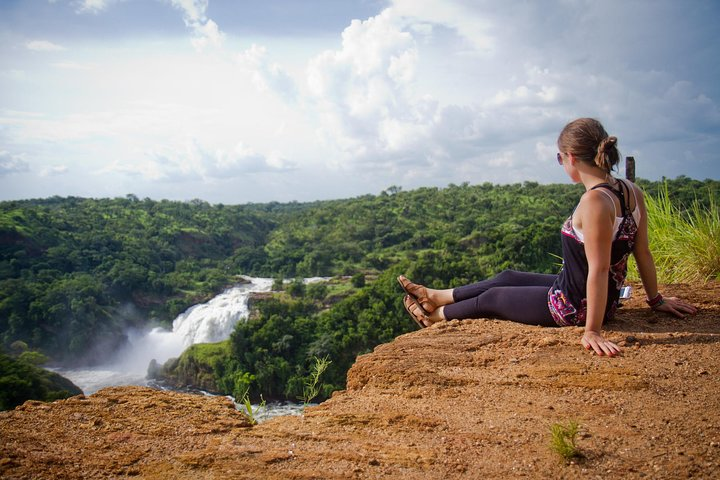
[464,399]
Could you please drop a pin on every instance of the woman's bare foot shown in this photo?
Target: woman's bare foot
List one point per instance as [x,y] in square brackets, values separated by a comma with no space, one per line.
[436,316]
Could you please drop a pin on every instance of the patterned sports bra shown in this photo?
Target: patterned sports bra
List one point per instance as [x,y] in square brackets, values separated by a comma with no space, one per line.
[567,298]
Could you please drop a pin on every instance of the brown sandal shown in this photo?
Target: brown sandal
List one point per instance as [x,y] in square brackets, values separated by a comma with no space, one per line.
[418,316]
[426,306]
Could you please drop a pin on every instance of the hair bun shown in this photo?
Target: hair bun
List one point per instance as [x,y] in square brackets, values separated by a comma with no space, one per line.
[606,144]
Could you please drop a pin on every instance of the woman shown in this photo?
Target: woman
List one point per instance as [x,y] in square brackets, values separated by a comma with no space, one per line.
[608,224]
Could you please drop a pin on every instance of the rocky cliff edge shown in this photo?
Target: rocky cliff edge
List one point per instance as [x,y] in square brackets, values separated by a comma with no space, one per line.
[468,399]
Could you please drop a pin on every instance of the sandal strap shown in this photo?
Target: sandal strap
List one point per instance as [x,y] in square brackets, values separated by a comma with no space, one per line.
[418,316]
[423,301]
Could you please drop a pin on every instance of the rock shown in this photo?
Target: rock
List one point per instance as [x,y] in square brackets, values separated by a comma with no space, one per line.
[547,342]
[154,369]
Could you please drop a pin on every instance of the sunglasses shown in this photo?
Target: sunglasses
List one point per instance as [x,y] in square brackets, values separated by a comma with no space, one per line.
[559,158]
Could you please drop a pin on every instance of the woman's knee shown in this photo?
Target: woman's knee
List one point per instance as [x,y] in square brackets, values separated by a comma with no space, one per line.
[506,276]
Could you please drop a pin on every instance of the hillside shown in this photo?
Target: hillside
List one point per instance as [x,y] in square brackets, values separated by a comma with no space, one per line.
[469,399]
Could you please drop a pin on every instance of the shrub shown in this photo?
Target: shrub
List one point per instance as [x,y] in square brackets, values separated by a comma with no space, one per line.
[358,280]
[317,291]
[296,288]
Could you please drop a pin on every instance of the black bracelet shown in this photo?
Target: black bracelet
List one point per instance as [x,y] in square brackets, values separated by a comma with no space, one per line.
[656,301]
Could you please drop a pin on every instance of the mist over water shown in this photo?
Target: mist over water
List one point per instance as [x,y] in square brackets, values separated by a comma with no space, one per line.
[208,322]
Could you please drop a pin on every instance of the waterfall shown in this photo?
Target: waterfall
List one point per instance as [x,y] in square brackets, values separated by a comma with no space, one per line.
[208,322]
[215,320]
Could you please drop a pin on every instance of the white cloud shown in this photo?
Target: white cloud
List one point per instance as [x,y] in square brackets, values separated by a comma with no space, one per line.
[73,66]
[29,127]
[14,74]
[364,92]
[267,75]
[374,106]
[205,31]
[53,171]
[242,160]
[134,123]
[546,153]
[194,9]
[206,34]
[192,161]
[464,20]
[43,46]
[92,6]
[10,163]
[502,160]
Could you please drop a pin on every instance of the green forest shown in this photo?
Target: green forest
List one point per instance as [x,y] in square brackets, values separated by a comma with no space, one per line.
[76,273]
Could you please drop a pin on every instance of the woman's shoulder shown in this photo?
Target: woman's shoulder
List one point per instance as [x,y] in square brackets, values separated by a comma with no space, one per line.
[635,189]
[597,197]
[596,203]
[631,185]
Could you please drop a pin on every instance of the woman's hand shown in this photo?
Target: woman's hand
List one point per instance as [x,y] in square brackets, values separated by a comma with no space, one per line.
[675,306]
[595,341]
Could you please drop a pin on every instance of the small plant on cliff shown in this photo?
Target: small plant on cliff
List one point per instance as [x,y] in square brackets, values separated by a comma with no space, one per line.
[563,439]
[250,411]
[311,389]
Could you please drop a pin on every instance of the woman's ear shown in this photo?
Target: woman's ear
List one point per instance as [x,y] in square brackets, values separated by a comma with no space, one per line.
[571,157]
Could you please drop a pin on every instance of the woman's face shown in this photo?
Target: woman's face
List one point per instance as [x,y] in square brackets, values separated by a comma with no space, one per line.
[568,164]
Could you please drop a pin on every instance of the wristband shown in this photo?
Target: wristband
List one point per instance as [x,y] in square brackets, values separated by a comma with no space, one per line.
[656,301]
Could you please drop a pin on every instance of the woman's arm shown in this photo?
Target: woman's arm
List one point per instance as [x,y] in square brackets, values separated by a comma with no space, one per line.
[597,216]
[646,266]
[641,250]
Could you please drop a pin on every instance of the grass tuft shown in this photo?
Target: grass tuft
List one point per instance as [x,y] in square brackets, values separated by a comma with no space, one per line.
[563,439]
[250,412]
[311,389]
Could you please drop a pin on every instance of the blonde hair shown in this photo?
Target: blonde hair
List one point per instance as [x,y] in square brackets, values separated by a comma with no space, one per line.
[588,141]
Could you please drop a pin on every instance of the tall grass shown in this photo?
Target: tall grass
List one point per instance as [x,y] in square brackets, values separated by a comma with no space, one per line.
[685,242]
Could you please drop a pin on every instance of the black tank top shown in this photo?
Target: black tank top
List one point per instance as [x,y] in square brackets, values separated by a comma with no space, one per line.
[567,298]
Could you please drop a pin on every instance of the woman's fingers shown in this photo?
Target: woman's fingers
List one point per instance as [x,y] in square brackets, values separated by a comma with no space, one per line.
[677,307]
[681,305]
[602,347]
[686,307]
[609,348]
[613,348]
[674,311]
[591,344]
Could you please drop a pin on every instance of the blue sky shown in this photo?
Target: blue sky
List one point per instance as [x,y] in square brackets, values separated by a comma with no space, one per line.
[279,100]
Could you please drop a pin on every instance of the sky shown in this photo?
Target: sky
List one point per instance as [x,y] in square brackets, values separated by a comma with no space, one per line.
[252,101]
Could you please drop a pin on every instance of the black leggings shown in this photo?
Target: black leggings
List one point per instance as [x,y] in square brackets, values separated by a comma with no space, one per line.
[517,296]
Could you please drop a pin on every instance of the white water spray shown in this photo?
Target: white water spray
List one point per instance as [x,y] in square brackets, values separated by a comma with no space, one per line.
[208,322]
